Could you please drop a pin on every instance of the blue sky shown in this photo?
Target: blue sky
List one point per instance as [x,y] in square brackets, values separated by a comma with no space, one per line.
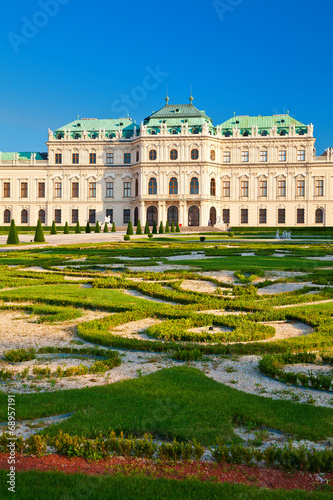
[77,57]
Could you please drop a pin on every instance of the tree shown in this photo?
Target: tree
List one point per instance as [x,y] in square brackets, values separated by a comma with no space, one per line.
[138,228]
[167,227]
[66,230]
[106,229]
[97,227]
[113,230]
[77,228]
[177,228]
[88,230]
[172,227]
[129,229]
[13,238]
[161,229]
[39,235]
[53,228]
[147,230]
[154,231]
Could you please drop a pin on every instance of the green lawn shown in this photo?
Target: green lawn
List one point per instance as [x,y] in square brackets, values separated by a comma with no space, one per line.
[177,402]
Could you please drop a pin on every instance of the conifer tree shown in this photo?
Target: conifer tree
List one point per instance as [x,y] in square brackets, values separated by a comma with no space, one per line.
[39,235]
[97,227]
[113,230]
[53,228]
[88,230]
[13,238]
[106,229]
[129,229]
[154,231]
[66,230]
[77,228]
[161,230]
[172,227]
[147,229]
[167,227]
[177,228]
[138,228]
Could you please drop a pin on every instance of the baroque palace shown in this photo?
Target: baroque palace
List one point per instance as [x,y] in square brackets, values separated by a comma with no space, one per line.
[175,166]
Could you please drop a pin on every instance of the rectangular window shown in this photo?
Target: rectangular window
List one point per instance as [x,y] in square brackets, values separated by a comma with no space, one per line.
[127,157]
[301,155]
[263,156]
[75,158]
[92,189]
[58,158]
[245,156]
[244,216]
[6,189]
[92,216]
[92,158]
[24,190]
[127,189]
[58,189]
[263,188]
[281,216]
[319,187]
[244,189]
[262,215]
[41,190]
[75,215]
[300,187]
[282,188]
[226,215]
[57,216]
[300,216]
[109,158]
[283,155]
[226,189]
[127,216]
[226,156]
[109,213]
[109,189]
[75,189]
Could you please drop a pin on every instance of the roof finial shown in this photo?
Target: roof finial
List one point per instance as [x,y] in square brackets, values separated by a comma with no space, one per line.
[78,117]
[191,98]
[167,95]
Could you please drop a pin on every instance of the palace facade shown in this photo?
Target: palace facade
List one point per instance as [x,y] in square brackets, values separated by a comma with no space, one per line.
[175,166]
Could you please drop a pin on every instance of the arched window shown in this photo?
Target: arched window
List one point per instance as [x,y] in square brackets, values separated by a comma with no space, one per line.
[173,186]
[152,186]
[194,154]
[152,155]
[6,216]
[24,217]
[151,215]
[212,216]
[41,216]
[174,131]
[172,215]
[173,154]
[195,130]
[194,186]
[193,216]
[136,216]
[136,187]
[137,156]
[319,216]
[212,155]
[212,187]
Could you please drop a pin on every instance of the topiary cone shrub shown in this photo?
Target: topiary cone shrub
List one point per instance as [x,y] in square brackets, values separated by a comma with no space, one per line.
[161,230]
[154,231]
[53,228]
[77,228]
[147,229]
[139,228]
[113,230]
[172,227]
[97,227]
[88,230]
[106,229]
[167,227]
[39,235]
[177,228]
[129,231]
[13,238]
[66,230]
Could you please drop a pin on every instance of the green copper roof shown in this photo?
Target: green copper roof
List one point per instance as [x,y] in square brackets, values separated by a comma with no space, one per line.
[22,156]
[174,115]
[262,122]
[92,125]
